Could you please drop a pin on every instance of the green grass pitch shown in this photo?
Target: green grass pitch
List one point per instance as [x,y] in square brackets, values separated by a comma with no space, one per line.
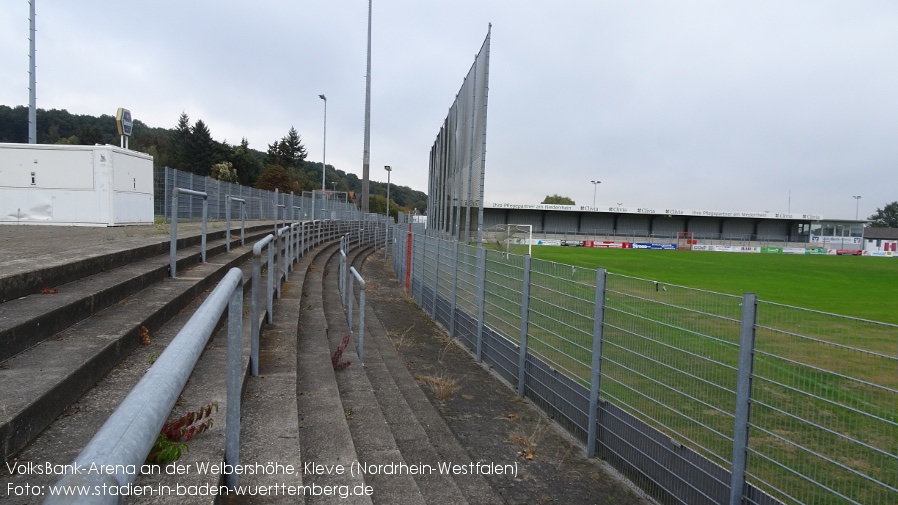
[854,286]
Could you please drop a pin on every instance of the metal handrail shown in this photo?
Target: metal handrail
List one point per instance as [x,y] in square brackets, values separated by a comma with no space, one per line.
[361,327]
[230,199]
[126,438]
[254,302]
[173,246]
[281,261]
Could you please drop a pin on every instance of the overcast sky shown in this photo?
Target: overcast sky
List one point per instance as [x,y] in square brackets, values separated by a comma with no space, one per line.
[709,105]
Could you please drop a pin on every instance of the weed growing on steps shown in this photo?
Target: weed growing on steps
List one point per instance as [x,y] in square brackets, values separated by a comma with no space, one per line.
[335,359]
[528,443]
[442,386]
[172,440]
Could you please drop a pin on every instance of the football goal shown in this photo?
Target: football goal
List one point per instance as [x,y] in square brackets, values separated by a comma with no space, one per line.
[509,238]
[684,241]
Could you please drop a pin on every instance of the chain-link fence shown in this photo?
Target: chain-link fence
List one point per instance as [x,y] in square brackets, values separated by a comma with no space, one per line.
[698,397]
[260,204]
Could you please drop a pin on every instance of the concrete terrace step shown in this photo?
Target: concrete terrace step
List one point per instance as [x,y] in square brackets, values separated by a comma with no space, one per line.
[65,437]
[420,431]
[30,319]
[36,257]
[374,441]
[270,419]
[324,435]
[42,381]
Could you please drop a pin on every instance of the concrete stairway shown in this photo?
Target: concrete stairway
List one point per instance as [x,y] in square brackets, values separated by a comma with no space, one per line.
[71,357]
[372,415]
[57,344]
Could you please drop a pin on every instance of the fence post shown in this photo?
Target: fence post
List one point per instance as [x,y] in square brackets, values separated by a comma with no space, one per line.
[743,395]
[234,382]
[525,318]
[165,199]
[452,303]
[595,380]
[436,277]
[481,290]
[408,262]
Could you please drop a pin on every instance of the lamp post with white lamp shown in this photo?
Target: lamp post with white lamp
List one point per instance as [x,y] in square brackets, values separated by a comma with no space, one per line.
[857,203]
[595,184]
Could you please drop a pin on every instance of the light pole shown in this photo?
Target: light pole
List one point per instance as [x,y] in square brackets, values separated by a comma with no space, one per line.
[389,219]
[324,150]
[595,184]
[366,155]
[857,203]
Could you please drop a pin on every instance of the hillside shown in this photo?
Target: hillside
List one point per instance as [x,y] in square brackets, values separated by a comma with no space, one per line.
[190,147]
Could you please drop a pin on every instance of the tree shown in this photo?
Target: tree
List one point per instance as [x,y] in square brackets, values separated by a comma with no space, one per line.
[275,176]
[181,143]
[224,172]
[886,217]
[246,164]
[287,152]
[203,149]
[558,200]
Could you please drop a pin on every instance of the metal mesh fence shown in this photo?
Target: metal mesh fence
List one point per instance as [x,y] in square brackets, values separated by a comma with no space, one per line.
[824,420]
[466,295]
[679,370]
[260,204]
[445,269]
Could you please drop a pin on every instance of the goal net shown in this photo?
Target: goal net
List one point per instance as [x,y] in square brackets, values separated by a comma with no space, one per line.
[684,241]
[509,238]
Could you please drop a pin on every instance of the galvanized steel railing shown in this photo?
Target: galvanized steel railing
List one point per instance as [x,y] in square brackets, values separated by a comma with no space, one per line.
[255,311]
[242,203]
[347,295]
[127,436]
[173,246]
[361,323]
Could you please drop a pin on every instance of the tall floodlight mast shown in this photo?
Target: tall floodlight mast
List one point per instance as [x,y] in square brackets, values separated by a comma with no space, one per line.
[32,85]
[367,154]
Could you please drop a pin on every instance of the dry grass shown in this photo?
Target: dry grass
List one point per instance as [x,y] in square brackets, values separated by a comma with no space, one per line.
[442,386]
[398,343]
[528,442]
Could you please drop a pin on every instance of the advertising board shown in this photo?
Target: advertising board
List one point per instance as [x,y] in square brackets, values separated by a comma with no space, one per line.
[654,247]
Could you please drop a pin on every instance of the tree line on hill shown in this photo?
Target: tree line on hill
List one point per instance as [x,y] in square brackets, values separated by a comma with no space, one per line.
[189,146]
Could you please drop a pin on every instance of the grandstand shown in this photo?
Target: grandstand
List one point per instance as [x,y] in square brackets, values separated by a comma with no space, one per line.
[643,224]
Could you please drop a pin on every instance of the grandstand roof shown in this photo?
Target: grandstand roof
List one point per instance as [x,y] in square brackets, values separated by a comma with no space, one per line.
[880,233]
[655,211]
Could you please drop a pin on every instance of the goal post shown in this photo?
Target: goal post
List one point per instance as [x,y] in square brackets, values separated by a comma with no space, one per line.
[684,241]
[509,238]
